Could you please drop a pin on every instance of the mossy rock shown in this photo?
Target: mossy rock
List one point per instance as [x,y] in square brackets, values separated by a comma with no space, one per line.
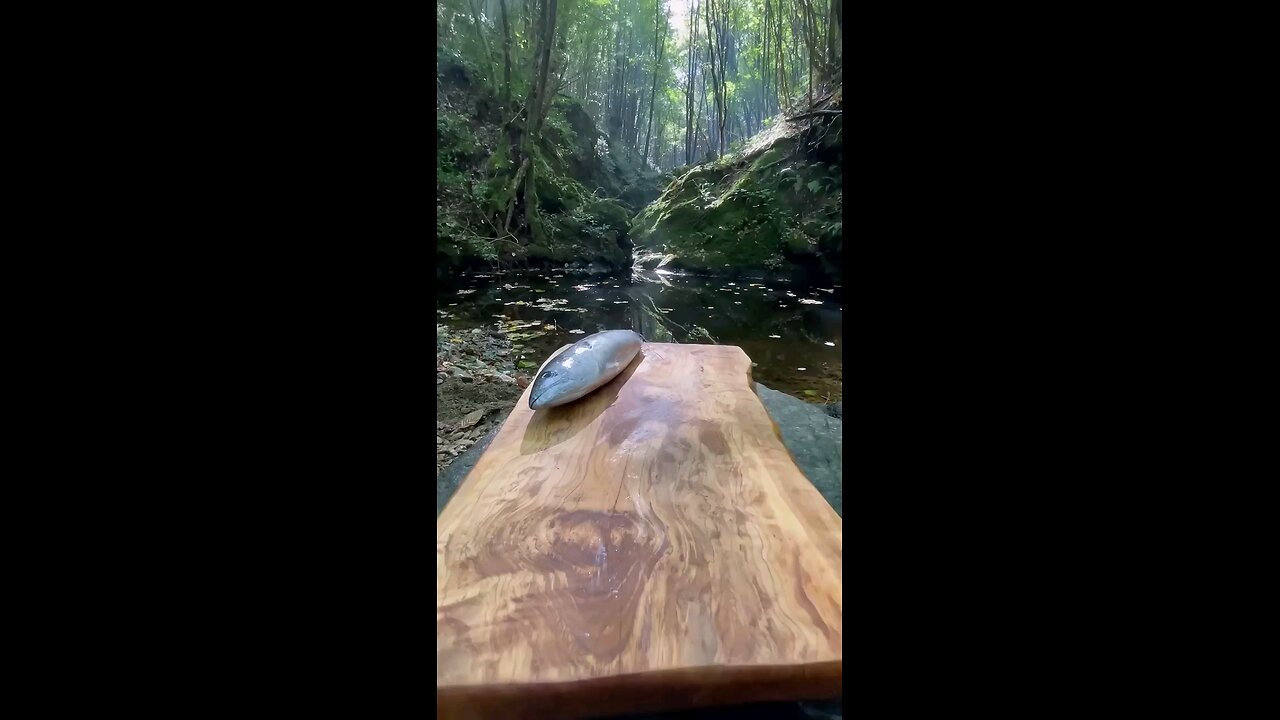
[747,212]
[609,213]
[716,215]
[596,232]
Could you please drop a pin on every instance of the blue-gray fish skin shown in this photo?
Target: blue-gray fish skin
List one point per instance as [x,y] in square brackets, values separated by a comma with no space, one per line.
[584,366]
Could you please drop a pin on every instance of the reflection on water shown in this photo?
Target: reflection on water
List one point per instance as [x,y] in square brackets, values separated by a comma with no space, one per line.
[791,333]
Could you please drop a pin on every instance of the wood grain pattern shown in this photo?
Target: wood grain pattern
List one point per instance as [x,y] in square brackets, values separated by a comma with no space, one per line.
[651,546]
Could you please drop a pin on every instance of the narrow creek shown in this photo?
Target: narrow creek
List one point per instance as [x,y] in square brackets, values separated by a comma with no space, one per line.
[790,330]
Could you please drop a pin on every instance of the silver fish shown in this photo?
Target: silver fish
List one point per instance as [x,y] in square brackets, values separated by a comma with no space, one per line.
[584,366]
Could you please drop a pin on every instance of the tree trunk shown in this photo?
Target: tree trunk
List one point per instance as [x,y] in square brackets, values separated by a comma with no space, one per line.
[833,36]
[726,39]
[690,82]
[653,91]
[545,41]
[810,42]
[614,123]
[765,37]
[533,116]
[484,44]
[709,5]
[550,91]
[702,108]
[505,98]
[526,17]
[515,188]
[662,131]
[783,96]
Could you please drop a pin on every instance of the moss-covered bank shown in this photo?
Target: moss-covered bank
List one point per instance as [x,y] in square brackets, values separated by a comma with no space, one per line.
[773,205]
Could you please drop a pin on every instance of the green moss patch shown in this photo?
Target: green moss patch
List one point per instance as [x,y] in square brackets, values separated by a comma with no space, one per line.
[773,206]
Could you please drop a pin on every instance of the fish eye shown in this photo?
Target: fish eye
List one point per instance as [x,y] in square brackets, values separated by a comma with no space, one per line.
[548,373]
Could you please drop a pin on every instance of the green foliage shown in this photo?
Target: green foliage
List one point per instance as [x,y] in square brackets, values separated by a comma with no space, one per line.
[475,171]
[585,186]
[559,130]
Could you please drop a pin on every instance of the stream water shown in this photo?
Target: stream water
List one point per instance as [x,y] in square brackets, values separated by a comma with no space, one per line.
[790,330]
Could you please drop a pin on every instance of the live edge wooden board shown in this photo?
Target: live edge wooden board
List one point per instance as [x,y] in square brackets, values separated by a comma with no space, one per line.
[652,546]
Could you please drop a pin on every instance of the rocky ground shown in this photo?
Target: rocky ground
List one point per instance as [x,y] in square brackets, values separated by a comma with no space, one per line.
[477,384]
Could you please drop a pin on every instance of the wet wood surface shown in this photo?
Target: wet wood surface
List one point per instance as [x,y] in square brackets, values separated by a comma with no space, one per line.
[651,546]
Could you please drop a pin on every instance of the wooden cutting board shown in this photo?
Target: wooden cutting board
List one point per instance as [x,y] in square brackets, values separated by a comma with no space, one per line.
[651,546]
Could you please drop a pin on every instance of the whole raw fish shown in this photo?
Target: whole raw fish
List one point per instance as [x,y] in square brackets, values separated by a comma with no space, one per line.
[584,366]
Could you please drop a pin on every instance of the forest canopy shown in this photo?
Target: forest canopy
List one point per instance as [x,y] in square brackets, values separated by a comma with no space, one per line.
[677,82]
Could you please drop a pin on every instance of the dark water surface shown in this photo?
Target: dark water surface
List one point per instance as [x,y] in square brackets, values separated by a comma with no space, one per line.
[790,330]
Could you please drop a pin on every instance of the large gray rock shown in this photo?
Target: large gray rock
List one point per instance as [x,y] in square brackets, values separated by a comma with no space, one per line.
[814,439]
